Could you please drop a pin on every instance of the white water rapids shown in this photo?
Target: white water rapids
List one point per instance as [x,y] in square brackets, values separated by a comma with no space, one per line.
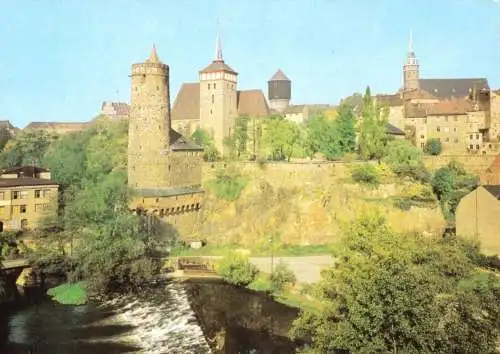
[162,325]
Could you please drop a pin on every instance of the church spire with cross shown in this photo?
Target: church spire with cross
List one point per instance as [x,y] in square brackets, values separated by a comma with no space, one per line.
[218,46]
[411,68]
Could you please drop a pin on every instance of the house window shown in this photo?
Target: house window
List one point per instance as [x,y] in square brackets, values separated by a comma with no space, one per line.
[38,193]
[456,118]
[447,140]
[445,119]
[22,209]
[422,137]
[215,86]
[2,195]
[477,136]
[209,86]
[46,193]
[15,195]
[471,137]
[422,145]
[477,147]
[454,129]
[456,140]
[438,129]
[471,147]
[213,99]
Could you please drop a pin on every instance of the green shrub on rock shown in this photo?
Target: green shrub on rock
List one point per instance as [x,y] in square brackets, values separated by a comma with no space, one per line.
[237,270]
[281,276]
[366,173]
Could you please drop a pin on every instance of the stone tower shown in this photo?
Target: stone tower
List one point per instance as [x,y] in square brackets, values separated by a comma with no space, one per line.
[164,168]
[218,98]
[279,91]
[411,75]
[149,124]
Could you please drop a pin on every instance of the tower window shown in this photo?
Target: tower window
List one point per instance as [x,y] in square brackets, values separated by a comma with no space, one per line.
[209,86]
[157,88]
[213,99]
[215,86]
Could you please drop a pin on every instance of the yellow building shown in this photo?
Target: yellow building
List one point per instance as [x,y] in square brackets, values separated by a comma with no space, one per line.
[27,195]
[477,217]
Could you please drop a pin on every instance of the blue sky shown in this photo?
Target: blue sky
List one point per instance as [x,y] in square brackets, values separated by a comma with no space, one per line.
[60,59]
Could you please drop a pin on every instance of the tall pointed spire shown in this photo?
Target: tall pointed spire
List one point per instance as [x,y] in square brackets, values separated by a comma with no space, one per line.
[410,44]
[218,46]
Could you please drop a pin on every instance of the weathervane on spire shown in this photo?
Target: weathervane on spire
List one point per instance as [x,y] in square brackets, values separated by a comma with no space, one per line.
[218,46]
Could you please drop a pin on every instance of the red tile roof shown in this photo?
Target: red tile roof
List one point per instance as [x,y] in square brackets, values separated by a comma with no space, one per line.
[187,102]
[252,103]
[218,65]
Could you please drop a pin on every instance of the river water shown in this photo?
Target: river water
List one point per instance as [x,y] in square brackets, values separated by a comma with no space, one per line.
[198,317]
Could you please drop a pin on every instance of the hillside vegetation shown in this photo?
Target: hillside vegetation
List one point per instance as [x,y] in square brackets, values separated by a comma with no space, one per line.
[309,203]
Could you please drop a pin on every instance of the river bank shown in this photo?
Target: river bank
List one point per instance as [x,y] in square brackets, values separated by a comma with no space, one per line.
[167,318]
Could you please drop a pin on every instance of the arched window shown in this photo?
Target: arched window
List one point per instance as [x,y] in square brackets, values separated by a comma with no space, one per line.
[213,99]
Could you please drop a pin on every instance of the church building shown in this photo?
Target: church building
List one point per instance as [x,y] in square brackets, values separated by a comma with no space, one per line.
[455,111]
[214,102]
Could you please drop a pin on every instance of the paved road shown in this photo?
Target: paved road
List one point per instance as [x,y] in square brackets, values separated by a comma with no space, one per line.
[307,269]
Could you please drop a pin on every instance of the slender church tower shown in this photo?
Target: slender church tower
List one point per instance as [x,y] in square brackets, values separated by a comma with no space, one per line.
[218,98]
[411,76]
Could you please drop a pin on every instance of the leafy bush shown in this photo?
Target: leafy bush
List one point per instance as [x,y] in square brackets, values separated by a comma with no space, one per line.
[433,147]
[405,160]
[419,192]
[281,276]
[237,270]
[366,173]
[227,185]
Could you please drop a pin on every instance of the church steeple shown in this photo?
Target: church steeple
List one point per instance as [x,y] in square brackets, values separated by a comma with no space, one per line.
[411,69]
[218,47]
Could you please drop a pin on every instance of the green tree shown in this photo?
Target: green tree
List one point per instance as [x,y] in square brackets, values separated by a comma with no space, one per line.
[202,137]
[372,129]
[346,128]
[406,160]
[315,140]
[26,148]
[280,138]
[237,270]
[98,240]
[433,147]
[450,183]
[237,141]
[329,137]
[402,294]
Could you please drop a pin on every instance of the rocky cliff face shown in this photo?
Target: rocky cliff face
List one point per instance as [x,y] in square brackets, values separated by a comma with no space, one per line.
[305,204]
